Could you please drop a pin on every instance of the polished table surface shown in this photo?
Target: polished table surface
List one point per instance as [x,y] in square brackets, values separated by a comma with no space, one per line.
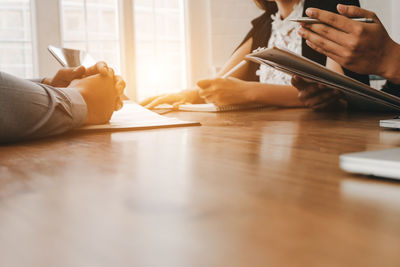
[254,188]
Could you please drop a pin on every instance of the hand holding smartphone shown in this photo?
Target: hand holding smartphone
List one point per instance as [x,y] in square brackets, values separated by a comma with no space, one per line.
[308,20]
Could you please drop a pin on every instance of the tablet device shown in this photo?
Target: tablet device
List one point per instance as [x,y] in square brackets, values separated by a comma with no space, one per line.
[381,163]
[71,57]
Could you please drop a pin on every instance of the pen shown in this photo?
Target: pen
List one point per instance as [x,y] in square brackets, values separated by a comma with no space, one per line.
[234,69]
[308,20]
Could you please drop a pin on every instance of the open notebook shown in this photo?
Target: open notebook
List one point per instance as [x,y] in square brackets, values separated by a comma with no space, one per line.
[135,117]
[294,64]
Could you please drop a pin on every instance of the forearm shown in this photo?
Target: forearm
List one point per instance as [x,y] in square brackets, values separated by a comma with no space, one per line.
[274,95]
[30,110]
[235,59]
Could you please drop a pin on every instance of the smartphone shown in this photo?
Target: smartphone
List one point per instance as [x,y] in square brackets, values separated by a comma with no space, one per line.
[308,20]
[71,57]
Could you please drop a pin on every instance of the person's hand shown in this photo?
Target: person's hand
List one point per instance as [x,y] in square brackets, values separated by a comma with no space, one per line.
[175,99]
[101,93]
[365,48]
[225,91]
[65,76]
[99,68]
[119,83]
[318,96]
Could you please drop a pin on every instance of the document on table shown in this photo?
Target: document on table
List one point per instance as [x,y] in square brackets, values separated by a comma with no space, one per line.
[135,117]
[209,107]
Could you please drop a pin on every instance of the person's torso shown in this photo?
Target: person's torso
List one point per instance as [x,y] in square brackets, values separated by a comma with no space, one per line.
[284,34]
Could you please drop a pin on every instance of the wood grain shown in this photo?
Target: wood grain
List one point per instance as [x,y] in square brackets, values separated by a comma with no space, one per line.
[256,188]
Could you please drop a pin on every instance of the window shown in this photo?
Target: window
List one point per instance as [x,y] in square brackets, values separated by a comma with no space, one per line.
[160,46]
[144,40]
[16,51]
[92,25]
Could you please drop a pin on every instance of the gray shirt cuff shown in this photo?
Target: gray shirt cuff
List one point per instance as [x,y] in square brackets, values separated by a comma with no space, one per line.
[78,106]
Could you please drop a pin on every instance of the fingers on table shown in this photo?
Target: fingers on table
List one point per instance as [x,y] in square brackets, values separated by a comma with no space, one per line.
[148,100]
[160,100]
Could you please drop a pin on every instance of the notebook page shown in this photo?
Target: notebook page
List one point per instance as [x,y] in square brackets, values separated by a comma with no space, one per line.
[133,116]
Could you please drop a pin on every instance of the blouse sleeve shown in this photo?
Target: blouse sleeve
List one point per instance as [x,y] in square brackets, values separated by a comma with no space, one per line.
[260,32]
[256,25]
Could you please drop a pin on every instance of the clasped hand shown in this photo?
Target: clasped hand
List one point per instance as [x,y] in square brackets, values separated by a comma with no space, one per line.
[99,86]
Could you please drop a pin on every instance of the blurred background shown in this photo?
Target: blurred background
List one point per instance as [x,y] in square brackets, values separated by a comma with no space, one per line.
[158,46]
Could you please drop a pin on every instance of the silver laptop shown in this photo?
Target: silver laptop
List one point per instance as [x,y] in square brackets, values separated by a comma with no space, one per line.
[390,124]
[382,163]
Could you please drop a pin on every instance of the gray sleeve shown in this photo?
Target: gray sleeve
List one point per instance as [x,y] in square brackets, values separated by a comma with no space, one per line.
[37,80]
[31,110]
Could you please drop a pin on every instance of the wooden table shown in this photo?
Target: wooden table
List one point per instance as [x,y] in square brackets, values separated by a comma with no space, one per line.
[256,188]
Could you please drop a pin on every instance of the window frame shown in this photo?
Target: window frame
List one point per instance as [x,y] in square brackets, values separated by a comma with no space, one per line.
[46,18]
[31,42]
[157,37]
